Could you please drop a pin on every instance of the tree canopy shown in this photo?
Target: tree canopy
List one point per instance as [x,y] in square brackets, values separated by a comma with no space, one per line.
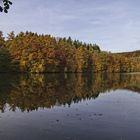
[5,6]
[33,53]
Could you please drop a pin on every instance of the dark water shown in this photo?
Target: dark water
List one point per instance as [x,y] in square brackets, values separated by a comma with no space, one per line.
[70,107]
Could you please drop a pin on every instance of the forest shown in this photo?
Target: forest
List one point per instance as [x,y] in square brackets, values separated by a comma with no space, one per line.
[29,52]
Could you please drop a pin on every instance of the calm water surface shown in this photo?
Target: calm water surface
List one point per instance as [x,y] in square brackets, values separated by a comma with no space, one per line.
[70,107]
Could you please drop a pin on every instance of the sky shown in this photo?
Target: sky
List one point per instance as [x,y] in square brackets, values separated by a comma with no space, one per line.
[112,24]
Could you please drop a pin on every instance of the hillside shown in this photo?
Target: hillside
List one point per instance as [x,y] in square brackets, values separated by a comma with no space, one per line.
[33,53]
[130,54]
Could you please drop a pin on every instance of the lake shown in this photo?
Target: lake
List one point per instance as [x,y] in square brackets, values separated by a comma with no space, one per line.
[70,107]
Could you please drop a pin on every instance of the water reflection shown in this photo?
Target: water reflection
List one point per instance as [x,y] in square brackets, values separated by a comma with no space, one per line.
[30,92]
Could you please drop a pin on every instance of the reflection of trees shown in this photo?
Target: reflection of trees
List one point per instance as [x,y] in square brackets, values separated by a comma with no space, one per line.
[34,91]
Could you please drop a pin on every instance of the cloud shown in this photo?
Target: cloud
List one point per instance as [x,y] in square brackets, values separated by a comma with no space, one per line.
[112,24]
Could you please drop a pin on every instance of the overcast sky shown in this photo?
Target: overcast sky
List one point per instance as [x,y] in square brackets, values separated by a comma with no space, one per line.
[112,24]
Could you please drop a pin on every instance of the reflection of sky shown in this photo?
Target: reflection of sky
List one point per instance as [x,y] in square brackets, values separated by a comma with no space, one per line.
[114,25]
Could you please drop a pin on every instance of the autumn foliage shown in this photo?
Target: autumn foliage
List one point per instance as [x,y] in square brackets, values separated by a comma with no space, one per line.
[33,53]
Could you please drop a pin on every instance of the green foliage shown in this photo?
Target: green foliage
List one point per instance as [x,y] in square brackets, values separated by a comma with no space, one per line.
[2,41]
[7,64]
[4,60]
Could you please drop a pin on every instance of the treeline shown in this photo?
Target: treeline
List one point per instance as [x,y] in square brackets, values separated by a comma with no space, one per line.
[30,52]
[30,92]
[109,62]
